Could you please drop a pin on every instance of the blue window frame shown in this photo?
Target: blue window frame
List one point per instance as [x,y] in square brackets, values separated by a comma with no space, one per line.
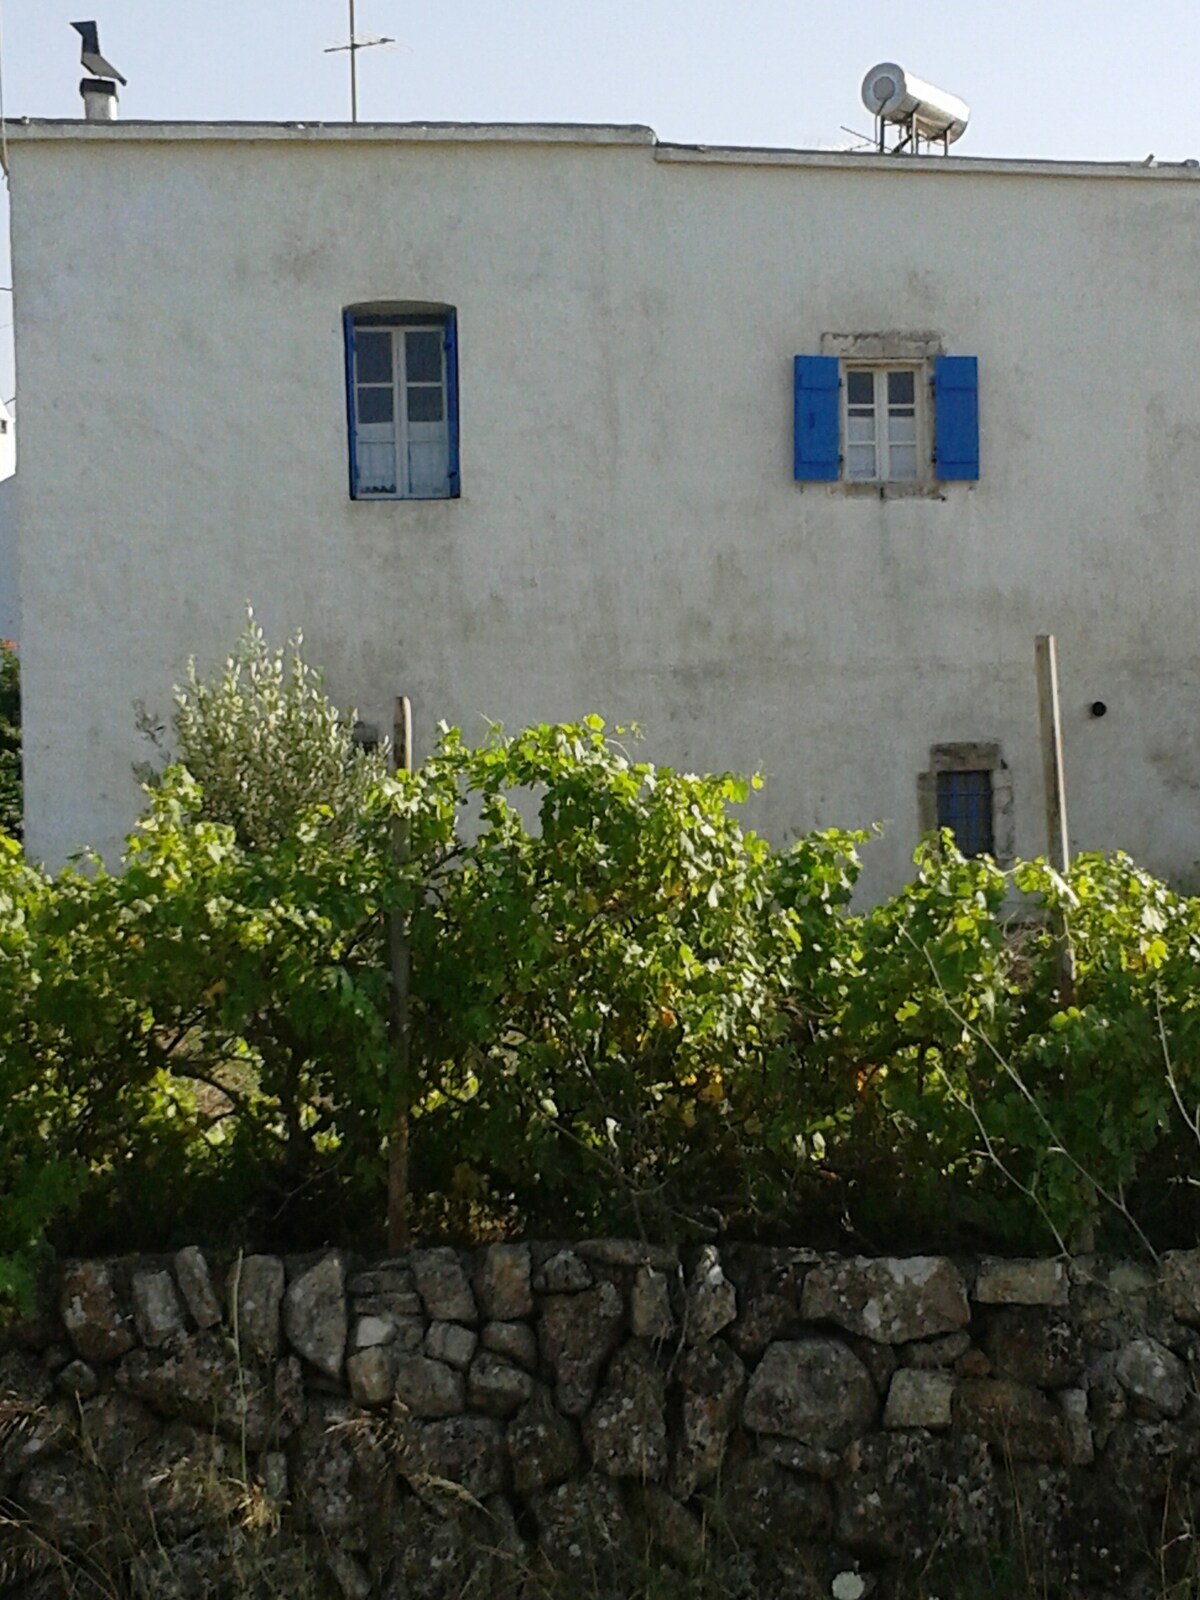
[402,405]
[964,805]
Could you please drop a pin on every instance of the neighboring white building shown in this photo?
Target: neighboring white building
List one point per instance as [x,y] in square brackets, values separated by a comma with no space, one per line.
[587,472]
[10,611]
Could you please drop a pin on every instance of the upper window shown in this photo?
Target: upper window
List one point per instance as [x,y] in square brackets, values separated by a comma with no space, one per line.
[886,422]
[402,383]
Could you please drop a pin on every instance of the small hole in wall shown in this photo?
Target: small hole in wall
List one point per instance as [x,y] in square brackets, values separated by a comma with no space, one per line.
[1098,708]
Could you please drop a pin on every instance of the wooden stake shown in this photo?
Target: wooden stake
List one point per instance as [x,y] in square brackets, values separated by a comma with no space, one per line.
[400,954]
[1058,845]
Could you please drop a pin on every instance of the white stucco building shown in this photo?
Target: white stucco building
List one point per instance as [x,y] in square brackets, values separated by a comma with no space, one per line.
[573,464]
[10,611]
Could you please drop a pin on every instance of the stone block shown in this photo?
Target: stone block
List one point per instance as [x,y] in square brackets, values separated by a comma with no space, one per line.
[1179,1285]
[371,1331]
[543,1445]
[514,1340]
[1020,1421]
[626,1429]
[930,1354]
[578,1332]
[919,1398]
[711,1303]
[196,1286]
[91,1314]
[889,1300]
[1079,1448]
[202,1380]
[650,1314]
[503,1282]
[79,1379]
[403,1306]
[314,1315]
[1149,1372]
[443,1286]
[429,1388]
[807,1458]
[814,1390]
[1035,1345]
[369,1372]
[452,1343]
[157,1311]
[583,1529]
[761,1506]
[563,1273]
[382,1280]
[905,1491]
[291,1401]
[497,1387]
[255,1288]
[672,1532]
[468,1451]
[352,1580]
[712,1379]
[1025,1283]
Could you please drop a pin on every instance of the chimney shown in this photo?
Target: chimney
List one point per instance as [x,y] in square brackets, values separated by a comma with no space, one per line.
[99,99]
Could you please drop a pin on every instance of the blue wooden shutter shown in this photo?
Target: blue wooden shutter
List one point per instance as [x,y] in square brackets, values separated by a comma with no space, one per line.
[455,483]
[956,412]
[818,419]
[351,413]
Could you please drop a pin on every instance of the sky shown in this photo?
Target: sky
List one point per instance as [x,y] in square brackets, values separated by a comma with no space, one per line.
[1060,79]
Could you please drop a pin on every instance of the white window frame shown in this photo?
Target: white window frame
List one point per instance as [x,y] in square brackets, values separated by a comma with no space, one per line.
[403,435]
[882,409]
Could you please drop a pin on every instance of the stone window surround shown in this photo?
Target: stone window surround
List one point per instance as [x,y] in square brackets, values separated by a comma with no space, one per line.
[915,347]
[972,756]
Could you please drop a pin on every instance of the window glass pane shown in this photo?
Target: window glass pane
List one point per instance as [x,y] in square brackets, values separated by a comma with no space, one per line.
[425,404]
[964,805]
[859,429]
[428,468]
[900,388]
[902,463]
[423,358]
[860,388]
[373,355]
[902,427]
[860,461]
[375,405]
[376,467]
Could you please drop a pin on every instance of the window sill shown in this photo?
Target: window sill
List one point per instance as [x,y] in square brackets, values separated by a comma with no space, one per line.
[404,500]
[889,491]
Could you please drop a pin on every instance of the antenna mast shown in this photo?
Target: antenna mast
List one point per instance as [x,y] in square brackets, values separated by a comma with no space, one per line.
[356,44]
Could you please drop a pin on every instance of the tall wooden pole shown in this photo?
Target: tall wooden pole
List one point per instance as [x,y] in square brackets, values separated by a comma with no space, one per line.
[400,959]
[1058,844]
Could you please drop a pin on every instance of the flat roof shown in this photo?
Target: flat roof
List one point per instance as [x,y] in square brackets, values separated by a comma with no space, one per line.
[26,130]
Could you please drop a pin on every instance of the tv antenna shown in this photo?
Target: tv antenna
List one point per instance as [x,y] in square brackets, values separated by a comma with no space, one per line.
[356,44]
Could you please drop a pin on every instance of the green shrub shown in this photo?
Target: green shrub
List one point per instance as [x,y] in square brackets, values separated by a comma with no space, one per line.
[10,740]
[626,1012]
[599,999]
[268,748]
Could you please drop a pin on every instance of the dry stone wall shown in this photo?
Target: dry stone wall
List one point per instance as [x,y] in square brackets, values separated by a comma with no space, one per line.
[449,1422]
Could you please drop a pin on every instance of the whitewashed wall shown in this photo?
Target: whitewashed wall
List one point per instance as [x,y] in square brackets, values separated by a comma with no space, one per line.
[10,610]
[629,537]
